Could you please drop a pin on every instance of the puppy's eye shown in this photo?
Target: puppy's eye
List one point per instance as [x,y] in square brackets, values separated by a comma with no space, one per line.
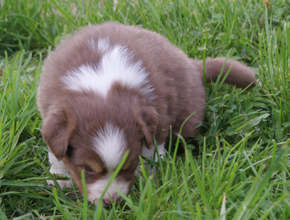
[89,170]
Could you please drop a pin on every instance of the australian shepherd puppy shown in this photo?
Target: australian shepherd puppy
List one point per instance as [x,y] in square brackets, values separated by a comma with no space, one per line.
[111,88]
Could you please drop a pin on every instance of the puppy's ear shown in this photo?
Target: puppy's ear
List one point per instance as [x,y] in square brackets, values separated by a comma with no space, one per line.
[147,119]
[57,130]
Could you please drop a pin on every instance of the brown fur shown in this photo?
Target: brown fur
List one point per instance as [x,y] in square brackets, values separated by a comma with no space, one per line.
[72,118]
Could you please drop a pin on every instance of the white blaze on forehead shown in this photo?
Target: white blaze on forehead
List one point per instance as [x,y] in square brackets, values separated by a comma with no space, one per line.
[96,189]
[116,65]
[110,144]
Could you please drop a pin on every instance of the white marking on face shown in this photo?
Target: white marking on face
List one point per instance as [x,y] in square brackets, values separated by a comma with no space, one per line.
[110,144]
[96,189]
[115,66]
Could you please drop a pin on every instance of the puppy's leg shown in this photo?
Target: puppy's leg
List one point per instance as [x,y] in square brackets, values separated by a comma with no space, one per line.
[149,153]
[57,167]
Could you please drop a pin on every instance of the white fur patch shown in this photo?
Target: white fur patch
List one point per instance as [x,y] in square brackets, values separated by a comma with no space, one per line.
[57,167]
[110,144]
[149,153]
[116,65]
[96,189]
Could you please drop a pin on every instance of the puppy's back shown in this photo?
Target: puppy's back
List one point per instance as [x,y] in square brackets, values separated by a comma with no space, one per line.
[168,67]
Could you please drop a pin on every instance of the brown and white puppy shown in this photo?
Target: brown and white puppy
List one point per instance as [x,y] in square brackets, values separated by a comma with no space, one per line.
[111,88]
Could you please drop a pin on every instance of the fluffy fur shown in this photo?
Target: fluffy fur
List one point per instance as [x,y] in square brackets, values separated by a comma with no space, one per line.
[111,88]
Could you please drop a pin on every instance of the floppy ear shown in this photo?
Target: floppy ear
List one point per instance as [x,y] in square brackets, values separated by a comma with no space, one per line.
[57,129]
[147,119]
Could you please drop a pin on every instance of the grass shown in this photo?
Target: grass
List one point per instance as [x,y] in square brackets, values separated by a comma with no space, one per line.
[236,168]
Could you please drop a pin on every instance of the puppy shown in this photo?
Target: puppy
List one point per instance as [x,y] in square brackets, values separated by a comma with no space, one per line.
[111,88]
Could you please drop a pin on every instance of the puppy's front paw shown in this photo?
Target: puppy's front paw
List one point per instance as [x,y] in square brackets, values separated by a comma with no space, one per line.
[62,183]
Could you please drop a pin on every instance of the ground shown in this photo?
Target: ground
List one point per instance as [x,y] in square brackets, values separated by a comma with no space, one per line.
[236,168]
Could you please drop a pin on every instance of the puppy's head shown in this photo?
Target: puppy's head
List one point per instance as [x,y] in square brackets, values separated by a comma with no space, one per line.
[93,135]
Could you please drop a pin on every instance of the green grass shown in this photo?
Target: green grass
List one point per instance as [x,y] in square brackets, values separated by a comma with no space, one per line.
[236,168]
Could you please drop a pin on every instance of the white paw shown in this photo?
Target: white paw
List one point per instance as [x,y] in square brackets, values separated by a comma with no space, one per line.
[58,168]
[62,183]
[150,153]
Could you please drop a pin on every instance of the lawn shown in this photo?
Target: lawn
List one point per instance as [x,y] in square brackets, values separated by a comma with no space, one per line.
[236,168]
